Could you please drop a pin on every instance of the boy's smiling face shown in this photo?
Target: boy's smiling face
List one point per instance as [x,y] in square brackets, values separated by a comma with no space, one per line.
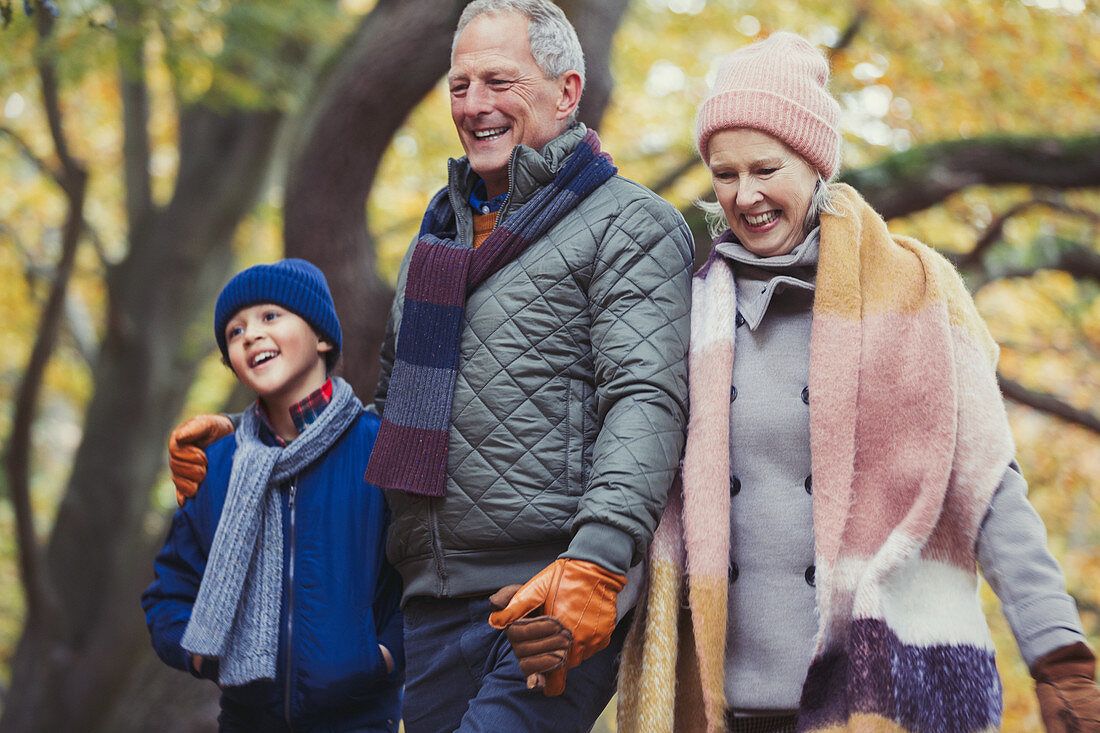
[276,354]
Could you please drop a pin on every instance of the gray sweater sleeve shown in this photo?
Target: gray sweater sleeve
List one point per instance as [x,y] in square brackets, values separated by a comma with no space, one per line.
[1015,561]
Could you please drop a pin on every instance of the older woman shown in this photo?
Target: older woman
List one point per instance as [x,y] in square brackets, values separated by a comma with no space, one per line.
[848,463]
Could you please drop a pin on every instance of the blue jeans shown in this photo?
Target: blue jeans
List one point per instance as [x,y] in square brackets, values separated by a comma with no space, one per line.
[461,674]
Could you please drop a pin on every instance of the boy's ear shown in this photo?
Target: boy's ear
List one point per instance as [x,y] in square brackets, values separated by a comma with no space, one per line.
[324,345]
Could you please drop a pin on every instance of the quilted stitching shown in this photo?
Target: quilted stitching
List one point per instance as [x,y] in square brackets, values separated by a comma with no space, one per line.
[602,299]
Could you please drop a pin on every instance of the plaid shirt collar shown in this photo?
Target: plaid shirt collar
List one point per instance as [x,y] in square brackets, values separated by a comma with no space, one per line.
[303,413]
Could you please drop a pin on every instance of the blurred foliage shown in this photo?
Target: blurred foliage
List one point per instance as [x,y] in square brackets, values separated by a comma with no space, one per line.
[915,72]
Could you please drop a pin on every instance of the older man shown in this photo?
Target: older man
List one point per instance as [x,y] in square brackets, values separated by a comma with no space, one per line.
[533,392]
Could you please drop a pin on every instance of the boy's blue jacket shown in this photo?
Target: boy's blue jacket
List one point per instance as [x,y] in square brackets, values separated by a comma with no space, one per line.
[340,596]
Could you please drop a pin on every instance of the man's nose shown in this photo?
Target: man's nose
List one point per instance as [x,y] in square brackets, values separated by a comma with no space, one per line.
[478,99]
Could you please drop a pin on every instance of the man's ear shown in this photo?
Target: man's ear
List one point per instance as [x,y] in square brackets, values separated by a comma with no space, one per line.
[571,88]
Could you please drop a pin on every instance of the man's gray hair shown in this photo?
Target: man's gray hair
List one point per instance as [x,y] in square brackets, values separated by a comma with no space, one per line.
[552,38]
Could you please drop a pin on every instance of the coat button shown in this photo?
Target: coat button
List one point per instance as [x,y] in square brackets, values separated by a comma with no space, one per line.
[809,575]
[733,393]
[806,395]
[734,572]
[735,486]
[809,484]
[740,319]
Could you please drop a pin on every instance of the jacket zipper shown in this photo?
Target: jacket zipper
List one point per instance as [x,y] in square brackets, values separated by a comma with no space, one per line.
[290,608]
[433,522]
[511,189]
[452,178]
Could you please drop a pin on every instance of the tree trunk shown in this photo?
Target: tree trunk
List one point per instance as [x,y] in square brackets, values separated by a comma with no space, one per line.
[68,672]
[71,673]
[397,55]
[596,22]
[357,111]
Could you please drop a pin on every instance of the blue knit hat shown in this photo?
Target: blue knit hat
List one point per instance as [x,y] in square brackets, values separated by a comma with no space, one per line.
[294,284]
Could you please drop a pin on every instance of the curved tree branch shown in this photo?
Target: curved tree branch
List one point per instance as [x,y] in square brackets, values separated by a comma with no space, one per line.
[1079,262]
[72,178]
[849,33]
[922,177]
[995,230]
[1048,403]
[29,154]
[671,176]
[355,112]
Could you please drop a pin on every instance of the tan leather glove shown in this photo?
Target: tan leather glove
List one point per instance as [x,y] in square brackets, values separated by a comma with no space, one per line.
[1069,700]
[579,594]
[540,643]
[185,455]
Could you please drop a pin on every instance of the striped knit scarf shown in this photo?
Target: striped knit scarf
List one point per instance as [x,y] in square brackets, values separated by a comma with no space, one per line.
[909,439]
[411,451]
[235,617]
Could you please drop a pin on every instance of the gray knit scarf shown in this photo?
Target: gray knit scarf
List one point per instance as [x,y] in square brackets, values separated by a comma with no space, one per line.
[236,614]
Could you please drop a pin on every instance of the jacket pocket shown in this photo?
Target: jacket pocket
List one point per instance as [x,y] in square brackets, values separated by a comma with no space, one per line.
[580,434]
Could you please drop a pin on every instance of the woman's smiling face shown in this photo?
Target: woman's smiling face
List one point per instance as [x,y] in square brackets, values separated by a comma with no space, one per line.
[764,188]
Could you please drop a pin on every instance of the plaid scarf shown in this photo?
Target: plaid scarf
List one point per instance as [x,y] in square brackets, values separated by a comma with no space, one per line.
[411,451]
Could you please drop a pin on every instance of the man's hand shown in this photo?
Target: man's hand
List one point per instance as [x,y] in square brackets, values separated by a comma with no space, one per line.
[1069,700]
[185,455]
[540,643]
[581,596]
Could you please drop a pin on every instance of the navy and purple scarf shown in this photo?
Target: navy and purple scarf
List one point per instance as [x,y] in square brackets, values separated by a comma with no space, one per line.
[411,451]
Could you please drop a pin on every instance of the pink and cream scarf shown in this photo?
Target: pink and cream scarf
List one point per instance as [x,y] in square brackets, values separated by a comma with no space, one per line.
[909,440]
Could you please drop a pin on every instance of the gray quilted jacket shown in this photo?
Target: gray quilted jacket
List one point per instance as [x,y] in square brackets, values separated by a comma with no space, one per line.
[571,399]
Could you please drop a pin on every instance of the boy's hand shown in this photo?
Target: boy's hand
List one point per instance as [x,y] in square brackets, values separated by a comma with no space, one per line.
[578,593]
[196,662]
[1069,700]
[186,458]
[387,658]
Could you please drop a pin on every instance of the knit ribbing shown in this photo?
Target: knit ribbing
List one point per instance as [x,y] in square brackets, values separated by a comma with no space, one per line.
[411,451]
[235,617]
[297,285]
[778,86]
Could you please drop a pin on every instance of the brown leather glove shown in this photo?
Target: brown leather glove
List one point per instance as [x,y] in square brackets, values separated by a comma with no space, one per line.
[1069,700]
[185,451]
[579,594]
[540,643]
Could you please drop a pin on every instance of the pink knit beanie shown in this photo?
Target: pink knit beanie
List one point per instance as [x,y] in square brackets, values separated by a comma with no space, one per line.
[777,86]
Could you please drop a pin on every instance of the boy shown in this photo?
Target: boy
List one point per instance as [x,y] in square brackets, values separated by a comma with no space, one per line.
[273,580]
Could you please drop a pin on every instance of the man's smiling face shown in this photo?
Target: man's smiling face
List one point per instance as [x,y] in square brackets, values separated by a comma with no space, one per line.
[500,97]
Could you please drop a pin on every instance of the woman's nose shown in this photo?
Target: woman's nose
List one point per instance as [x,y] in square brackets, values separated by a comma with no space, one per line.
[748,192]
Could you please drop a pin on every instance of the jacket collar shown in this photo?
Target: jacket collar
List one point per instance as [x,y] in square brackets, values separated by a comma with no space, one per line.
[760,278]
[528,171]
